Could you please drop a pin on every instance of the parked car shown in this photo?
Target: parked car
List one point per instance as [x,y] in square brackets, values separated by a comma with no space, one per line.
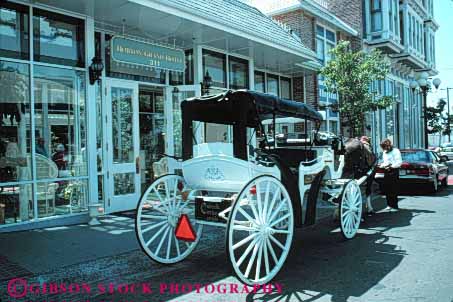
[446,152]
[419,167]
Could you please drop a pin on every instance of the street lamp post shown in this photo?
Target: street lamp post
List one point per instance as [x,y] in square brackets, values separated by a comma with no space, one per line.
[437,83]
[422,82]
[448,112]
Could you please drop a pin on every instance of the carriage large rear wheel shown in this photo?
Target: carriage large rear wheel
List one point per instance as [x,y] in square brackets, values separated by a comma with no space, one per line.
[350,209]
[260,230]
[158,213]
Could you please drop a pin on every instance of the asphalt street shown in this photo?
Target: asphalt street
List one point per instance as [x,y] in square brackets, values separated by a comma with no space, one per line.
[403,256]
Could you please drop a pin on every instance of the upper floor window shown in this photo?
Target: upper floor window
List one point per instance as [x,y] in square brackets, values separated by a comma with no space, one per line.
[272,84]
[285,88]
[189,74]
[376,15]
[393,17]
[260,81]
[239,73]
[325,41]
[215,64]
[58,39]
[14,31]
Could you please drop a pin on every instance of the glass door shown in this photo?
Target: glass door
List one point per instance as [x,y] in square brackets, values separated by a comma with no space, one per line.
[123,162]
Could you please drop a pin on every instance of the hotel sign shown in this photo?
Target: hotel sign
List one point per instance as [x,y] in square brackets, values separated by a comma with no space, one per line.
[135,52]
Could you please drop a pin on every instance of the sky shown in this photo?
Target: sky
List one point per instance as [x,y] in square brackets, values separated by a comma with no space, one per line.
[443,14]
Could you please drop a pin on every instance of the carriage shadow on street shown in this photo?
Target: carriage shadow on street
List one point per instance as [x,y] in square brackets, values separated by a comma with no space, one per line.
[322,264]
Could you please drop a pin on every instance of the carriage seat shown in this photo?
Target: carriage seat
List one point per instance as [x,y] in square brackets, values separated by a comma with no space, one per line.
[217,148]
[292,157]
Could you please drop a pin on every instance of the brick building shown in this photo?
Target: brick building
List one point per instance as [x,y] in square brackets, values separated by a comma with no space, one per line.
[404,30]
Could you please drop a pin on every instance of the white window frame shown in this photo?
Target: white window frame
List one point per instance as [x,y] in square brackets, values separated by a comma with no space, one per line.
[91,166]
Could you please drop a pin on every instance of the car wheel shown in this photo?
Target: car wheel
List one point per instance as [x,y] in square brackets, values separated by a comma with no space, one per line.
[434,187]
[445,182]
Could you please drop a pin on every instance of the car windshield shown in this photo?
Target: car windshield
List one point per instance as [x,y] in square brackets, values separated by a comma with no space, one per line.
[411,156]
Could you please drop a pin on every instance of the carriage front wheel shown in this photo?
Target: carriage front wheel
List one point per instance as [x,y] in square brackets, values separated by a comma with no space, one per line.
[350,209]
[158,213]
[260,230]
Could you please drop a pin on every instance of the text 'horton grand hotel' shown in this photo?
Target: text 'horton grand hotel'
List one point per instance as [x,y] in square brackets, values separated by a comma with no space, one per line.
[90,94]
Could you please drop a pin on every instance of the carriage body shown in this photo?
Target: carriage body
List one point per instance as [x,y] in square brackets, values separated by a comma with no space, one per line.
[260,193]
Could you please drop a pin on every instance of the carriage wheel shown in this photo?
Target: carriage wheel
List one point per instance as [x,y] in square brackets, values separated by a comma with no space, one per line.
[158,213]
[260,230]
[350,209]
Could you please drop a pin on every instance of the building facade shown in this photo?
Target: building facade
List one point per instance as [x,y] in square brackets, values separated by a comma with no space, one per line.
[91,91]
[404,30]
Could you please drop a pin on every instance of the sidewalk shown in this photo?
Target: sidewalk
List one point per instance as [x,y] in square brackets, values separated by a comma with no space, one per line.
[39,251]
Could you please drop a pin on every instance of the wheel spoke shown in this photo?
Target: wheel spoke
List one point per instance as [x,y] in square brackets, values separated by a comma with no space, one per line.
[252,259]
[184,204]
[258,201]
[274,198]
[247,251]
[280,231]
[266,256]
[271,249]
[170,236]
[280,219]
[252,206]
[162,241]
[154,226]
[247,216]
[280,206]
[167,194]
[266,200]
[244,241]
[244,228]
[147,216]
[278,243]
[178,251]
[162,201]
[156,235]
[258,261]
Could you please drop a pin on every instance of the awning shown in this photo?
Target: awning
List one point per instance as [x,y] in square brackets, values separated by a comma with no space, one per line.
[228,25]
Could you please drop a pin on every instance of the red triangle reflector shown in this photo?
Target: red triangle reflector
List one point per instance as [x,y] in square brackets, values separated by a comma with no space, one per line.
[184,230]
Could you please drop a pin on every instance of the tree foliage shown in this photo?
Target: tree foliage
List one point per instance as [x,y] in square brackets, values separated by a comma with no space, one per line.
[350,74]
[437,120]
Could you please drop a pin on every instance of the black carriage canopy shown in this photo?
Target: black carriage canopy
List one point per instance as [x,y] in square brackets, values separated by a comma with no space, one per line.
[241,109]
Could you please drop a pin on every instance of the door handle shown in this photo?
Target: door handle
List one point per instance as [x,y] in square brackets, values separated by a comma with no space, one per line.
[137,165]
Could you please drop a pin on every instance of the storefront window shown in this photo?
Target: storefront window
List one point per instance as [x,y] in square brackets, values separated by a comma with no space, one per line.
[58,39]
[15,140]
[16,203]
[285,84]
[239,73]
[62,197]
[215,64]
[60,123]
[14,31]
[153,131]
[177,98]
[259,82]
[189,73]
[176,78]
[272,84]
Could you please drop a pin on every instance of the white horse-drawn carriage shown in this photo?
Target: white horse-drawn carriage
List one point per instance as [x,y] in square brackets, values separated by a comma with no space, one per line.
[258,193]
